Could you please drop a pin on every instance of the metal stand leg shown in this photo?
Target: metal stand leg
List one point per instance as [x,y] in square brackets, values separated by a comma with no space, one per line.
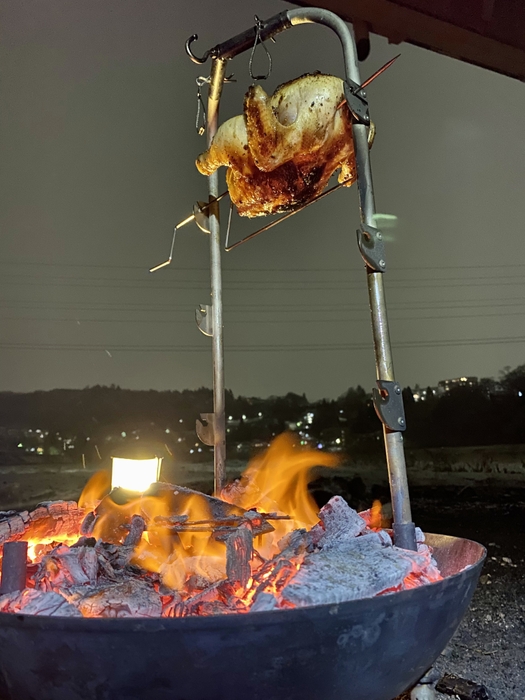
[219,423]
[404,530]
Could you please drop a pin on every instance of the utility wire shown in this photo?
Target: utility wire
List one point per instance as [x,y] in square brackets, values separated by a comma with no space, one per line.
[321,347]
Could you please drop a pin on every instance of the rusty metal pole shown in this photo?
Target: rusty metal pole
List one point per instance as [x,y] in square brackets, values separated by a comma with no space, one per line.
[219,421]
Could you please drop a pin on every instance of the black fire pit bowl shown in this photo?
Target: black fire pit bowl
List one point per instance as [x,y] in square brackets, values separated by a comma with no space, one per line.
[370,649]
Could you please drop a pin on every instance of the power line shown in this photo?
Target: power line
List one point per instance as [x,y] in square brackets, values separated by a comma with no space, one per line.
[321,347]
[174,268]
[262,307]
[165,321]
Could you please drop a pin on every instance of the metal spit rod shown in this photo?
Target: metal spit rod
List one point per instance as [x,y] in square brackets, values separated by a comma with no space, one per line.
[403,526]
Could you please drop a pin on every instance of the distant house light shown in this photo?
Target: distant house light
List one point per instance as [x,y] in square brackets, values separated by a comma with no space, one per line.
[167,430]
[244,416]
[123,434]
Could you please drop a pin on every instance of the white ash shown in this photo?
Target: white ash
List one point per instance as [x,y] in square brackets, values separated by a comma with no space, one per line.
[358,568]
[353,562]
[340,522]
[65,566]
[33,602]
[130,598]
[263,602]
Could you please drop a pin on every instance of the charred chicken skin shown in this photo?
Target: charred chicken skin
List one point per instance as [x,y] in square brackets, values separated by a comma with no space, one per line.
[281,152]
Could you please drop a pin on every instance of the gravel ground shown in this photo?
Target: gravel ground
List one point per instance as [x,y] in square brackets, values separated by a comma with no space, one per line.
[489,646]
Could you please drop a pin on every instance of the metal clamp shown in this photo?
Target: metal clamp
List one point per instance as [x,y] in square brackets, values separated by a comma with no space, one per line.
[201,217]
[205,428]
[371,247]
[356,100]
[204,319]
[388,403]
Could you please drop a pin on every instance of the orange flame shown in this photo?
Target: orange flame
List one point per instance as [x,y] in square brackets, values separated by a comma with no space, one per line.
[376,515]
[276,481]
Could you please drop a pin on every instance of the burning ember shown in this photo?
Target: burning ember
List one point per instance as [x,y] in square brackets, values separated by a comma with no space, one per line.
[176,552]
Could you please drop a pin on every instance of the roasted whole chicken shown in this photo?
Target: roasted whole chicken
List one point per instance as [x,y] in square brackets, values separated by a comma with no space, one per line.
[281,152]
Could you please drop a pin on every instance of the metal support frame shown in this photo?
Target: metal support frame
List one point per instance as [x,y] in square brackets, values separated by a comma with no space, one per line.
[404,530]
[219,419]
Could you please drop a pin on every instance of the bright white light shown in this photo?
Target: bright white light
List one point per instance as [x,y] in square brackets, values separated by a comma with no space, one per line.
[244,416]
[192,451]
[520,393]
[134,474]
[180,420]
[338,441]
[123,434]
[260,415]
[167,430]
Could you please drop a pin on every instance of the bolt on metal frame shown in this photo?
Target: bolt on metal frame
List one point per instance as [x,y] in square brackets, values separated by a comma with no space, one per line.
[388,401]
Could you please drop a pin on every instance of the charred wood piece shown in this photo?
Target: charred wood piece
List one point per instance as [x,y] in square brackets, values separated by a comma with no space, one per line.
[65,567]
[49,519]
[133,597]
[239,551]
[88,524]
[14,567]
[461,688]
[136,528]
[33,602]
[340,522]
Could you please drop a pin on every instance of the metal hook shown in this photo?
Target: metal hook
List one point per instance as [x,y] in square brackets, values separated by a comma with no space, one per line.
[199,215]
[258,27]
[201,107]
[190,53]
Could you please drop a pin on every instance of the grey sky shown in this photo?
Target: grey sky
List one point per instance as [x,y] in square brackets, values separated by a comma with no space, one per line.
[97,144]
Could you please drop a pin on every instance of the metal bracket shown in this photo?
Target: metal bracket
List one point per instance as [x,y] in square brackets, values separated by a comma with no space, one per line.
[201,219]
[204,319]
[205,428]
[388,403]
[356,100]
[371,247]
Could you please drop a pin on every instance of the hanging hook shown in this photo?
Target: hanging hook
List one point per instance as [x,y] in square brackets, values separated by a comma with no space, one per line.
[201,107]
[258,26]
[190,53]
